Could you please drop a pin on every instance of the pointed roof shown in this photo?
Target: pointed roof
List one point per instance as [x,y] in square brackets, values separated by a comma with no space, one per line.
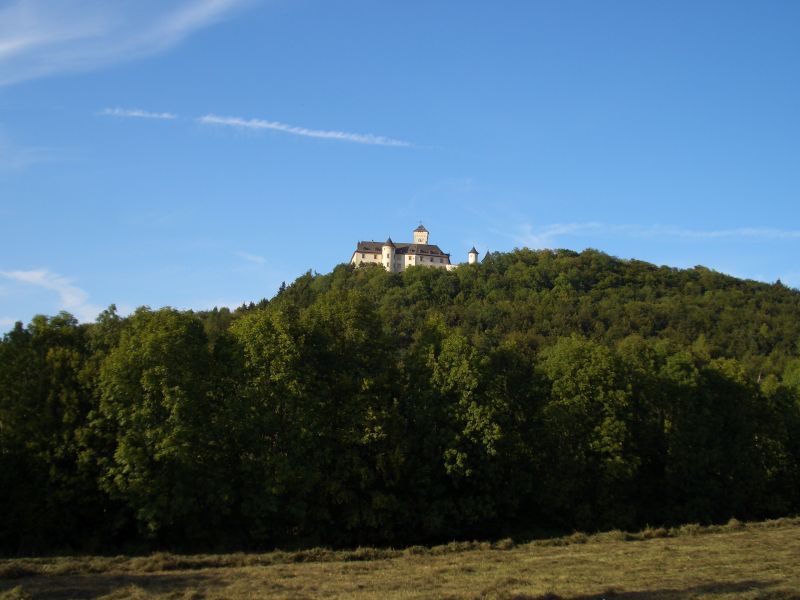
[389,242]
[486,256]
[421,228]
[473,251]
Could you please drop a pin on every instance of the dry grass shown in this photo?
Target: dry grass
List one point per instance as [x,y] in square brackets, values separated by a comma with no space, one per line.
[748,561]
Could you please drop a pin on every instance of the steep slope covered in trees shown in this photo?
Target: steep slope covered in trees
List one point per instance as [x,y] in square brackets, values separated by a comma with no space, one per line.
[537,391]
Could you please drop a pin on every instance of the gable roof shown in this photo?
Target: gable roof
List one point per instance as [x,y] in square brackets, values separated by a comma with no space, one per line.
[403,248]
[423,249]
[373,247]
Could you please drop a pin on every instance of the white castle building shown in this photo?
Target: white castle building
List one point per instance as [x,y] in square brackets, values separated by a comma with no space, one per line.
[396,257]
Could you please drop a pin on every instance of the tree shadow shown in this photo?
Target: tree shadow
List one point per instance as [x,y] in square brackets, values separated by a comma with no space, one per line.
[86,587]
[90,586]
[767,590]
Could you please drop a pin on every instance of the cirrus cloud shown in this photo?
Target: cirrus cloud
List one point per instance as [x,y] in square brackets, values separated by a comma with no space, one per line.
[544,236]
[45,37]
[71,298]
[137,113]
[261,124]
[342,136]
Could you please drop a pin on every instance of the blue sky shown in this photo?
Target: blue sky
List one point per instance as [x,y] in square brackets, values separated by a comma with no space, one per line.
[195,153]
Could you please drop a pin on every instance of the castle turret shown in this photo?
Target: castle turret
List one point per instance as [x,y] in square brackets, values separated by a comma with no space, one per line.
[473,256]
[388,255]
[420,235]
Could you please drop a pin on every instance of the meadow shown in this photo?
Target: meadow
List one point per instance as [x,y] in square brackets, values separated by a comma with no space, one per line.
[736,560]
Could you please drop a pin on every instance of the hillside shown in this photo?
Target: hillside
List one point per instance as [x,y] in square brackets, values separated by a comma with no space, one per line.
[549,294]
[535,392]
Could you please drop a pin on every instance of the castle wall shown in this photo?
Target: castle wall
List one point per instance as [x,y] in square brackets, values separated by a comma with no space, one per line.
[400,262]
[368,258]
[396,261]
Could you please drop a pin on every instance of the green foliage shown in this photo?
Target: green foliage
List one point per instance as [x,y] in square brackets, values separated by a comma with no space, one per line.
[585,437]
[168,428]
[536,391]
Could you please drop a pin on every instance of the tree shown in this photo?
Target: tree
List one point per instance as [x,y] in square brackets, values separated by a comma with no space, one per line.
[166,464]
[585,447]
[51,499]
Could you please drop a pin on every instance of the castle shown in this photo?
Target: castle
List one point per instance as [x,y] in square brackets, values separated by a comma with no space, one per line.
[396,257]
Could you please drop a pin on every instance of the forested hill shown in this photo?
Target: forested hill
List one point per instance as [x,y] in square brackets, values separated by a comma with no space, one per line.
[540,296]
[534,392]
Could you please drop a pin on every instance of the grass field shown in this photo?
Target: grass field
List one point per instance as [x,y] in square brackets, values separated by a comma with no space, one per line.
[755,560]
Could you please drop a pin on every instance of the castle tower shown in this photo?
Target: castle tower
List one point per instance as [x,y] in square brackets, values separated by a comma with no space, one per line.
[388,255]
[473,256]
[420,235]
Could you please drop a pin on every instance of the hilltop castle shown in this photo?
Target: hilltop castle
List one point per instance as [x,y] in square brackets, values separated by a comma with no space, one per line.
[396,257]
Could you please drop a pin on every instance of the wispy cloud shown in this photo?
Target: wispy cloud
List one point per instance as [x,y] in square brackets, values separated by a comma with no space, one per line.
[14,157]
[155,218]
[71,298]
[765,233]
[253,258]
[547,236]
[137,113]
[260,124]
[342,136]
[6,322]
[44,37]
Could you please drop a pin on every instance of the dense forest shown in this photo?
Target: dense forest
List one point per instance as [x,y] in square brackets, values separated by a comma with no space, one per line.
[536,392]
